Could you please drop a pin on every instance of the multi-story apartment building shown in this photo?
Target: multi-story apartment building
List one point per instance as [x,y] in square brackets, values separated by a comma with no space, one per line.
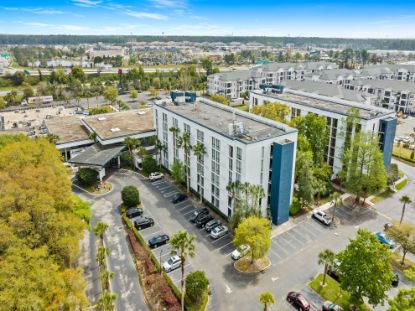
[232,84]
[239,147]
[372,119]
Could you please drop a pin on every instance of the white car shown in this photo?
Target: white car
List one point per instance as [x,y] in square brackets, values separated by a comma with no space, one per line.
[155,176]
[321,217]
[240,252]
[172,263]
[218,232]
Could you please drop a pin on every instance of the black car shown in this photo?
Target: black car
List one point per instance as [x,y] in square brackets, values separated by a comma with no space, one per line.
[157,240]
[134,212]
[395,280]
[143,222]
[198,213]
[209,226]
[334,274]
[179,197]
[203,220]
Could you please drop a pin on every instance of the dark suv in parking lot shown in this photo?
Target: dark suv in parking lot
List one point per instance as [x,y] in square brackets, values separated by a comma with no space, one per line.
[203,220]
[157,240]
[143,222]
[179,197]
[198,213]
[134,212]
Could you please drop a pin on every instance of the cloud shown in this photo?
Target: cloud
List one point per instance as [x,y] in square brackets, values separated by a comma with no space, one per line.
[170,3]
[86,3]
[57,27]
[40,11]
[146,15]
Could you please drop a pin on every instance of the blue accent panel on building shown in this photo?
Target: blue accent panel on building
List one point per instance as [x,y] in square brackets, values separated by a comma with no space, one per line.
[190,97]
[387,130]
[282,172]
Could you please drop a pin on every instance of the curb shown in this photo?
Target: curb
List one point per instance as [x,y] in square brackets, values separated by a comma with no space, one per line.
[254,272]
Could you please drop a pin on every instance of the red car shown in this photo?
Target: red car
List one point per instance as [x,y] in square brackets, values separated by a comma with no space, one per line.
[298,301]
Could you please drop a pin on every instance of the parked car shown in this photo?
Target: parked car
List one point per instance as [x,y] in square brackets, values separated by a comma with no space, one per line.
[155,176]
[172,263]
[178,197]
[329,306]
[240,252]
[158,240]
[298,301]
[212,224]
[405,116]
[218,232]
[334,274]
[203,220]
[197,213]
[134,212]
[143,222]
[384,240]
[321,217]
[395,280]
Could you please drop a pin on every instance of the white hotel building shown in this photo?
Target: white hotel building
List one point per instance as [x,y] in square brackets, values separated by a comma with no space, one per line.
[239,147]
[372,119]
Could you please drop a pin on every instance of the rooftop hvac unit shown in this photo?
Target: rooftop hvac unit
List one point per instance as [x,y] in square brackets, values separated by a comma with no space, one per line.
[236,129]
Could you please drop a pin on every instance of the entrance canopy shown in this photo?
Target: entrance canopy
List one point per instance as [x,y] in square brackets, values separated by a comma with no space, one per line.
[97,155]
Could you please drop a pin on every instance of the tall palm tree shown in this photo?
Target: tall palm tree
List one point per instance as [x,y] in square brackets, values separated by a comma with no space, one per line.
[405,200]
[184,143]
[336,201]
[175,131]
[159,148]
[199,150]
[266,299]
[106,301]
[326,258]
[131,143]
[100,229]
[183,245]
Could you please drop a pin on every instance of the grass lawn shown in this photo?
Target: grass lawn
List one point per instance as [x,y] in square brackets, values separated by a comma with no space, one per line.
[385,194]
[332,291]
[201,306]
[402,184]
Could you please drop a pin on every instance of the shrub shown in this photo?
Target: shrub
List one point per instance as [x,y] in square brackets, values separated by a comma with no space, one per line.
[87,176]
[100,110]
[134,94]
[412,155]
[149,165]
[295,207]
[196,285]
[130,196]
[126,159]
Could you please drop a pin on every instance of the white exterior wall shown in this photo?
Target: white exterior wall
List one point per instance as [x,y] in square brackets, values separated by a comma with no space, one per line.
[251,158]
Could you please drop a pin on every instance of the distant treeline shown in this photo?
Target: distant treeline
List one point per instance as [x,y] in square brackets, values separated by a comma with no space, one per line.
[384,44]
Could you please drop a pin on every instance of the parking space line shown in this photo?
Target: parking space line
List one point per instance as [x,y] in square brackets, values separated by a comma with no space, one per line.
[224,245]
[219,238]
[188,212]
[162,186]
[229,253]
[184,207]
[147,235]
[169,194]
[178,204]
[158,182]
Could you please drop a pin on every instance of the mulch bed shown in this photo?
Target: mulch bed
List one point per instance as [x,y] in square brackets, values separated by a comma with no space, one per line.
[158,294]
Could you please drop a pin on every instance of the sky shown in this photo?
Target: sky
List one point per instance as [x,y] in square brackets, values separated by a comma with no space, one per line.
[304,18]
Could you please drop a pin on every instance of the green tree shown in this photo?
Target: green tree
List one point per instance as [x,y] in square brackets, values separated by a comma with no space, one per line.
[131,143]
[336,201]
[110,94]
[106,301]
[404,300]
[149,165]
[199,150]
[100,228]
[178,172]
[183,142]
[78,73]
[183,245]
[404,235]
[366,269]
[266,299]
[53,138]
[393,173]
[274,111]
[134,94]
[306,181]
[326,258]
[87,176]
[2,104]
[256,233]
[363,169]
[102,254]
[159,146]
[405,200]
[130,196]
[28,92]
[196,285]
[106,276]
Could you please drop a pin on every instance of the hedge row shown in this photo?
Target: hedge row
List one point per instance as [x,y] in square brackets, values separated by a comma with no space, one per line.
[173,287]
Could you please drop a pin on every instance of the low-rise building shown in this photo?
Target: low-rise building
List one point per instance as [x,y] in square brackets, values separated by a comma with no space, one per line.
[371,119]
[240,147]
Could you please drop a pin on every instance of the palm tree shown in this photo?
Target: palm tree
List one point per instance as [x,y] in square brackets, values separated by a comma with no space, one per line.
[184,143]
[175,131]
[405,200]
[159,148]
[131,143]
[101,255]
[336,201]
[106,276]
[326,258]
[183,245]
[199,150]
[100,229]
[106,301]
[266,299]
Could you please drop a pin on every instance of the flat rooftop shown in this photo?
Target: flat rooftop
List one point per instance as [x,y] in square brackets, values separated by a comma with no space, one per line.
[218,117]
[339,106]
[69,128]
[119,124]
